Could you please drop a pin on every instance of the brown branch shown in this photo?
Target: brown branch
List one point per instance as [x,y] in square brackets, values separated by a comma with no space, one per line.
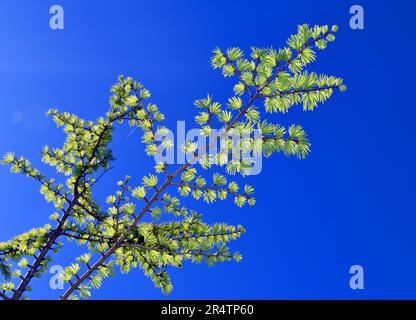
[294,91]
[170,177]
[154,198]
[41,256]
[3,296]
[56,233]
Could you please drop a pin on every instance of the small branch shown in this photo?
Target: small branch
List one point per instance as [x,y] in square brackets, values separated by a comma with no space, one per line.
[3,296]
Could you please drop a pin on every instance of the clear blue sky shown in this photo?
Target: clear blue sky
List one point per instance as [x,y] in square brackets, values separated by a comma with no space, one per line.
[351,202]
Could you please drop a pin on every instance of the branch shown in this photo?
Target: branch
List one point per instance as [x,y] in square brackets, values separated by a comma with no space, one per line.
[41,256]
[3,296]
[295,91]
[57,232]
[154,198]
[158,191]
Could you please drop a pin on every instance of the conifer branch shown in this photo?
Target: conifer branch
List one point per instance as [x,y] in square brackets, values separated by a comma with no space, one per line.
[117,236]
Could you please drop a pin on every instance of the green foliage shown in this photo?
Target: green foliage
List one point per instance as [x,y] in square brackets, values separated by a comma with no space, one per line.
[14,253]
[113,235]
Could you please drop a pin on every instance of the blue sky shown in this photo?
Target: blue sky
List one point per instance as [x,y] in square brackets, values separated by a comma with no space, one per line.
[351,202]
